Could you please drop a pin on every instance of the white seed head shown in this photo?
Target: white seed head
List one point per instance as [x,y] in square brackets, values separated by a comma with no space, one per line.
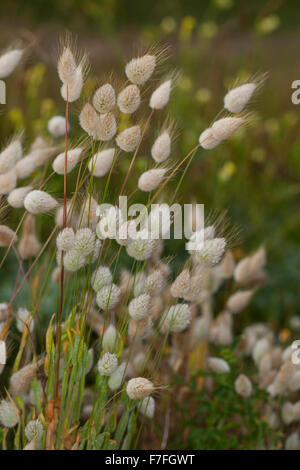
[101,277]
[9,61]
[109,338]
[155,282]
[108,297]
[139,388]
[96,253]
[211,252]
[106,127]
[34,430]
[129,99]
[24,318]
[238,301]
[66,66]
[160,97]
[147,407]
[140,329]
[161,148]
[37,202]
[139,307]
[181,285]
[218,365]
[107,364]
[117,377]
[207,139]
[65,239]
[225,127]
[237,98]
[177,318]
[73,157]
[25,167]
[3,355]
[16,196]
[104,99]
[151,179]
[73,260]
[8,415]
[140,248]
[10,155]
[8,181]
[57,126]
[292,442]
[72,91]
[129,139]
[260,349]
[88,119]
[101,162]
[7,236]
[140,69]
[85,241]
[243,386]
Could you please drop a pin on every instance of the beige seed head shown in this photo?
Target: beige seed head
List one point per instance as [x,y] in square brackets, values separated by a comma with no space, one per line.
[151,179]
[139,388]
[218,365]
[106,127]
[161,148]
[129,139]
[9,61]
[181,285]
[20,381]
[225,127]
[140,69]
[66,66]
[129,99]
[7,236]
[25,167]
[10,156]
[37,202]
[8,181]
[72,91]
[88,119]
[16,196]
[104,99]
[160,97]
[101,162]
[73,157]
[238,301]
[29,245]
[243,386]
[207,139]
[65,239]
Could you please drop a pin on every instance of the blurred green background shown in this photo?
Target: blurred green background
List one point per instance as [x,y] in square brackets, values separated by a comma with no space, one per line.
[255,176]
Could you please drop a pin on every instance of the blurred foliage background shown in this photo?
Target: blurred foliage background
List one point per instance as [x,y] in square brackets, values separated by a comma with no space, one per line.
[255,176]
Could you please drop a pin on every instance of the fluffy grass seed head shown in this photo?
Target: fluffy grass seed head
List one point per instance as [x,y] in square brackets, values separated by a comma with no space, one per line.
[104,99]
[207,139]
[140,248]
[9,61]
[129,139]
[72,91]
[8,181]
[224,128]
[117,377]
[155,282]
[210,254]
[8,415]
[239,300]
[65,239]
[24,318]
[25,167]
[107,364]
[84,241]
[237,98]
[218,365]
[139,388]
[21,380]
[3,355]
[129,99]
[140,69]
[147,407]
[29,245]
[139,307]
[181,285]
[101,277]
[177,318]
[106,127]
[10,155]
[88,119]
[101,162]
[109,338]
[108,297]
[73,157]
[7,236]
[37,202]
[161,148]
[57,126]
[151,179]
[34,430]
[243,386]
[74,260]
[67,66]
[16,196]
[160,97]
